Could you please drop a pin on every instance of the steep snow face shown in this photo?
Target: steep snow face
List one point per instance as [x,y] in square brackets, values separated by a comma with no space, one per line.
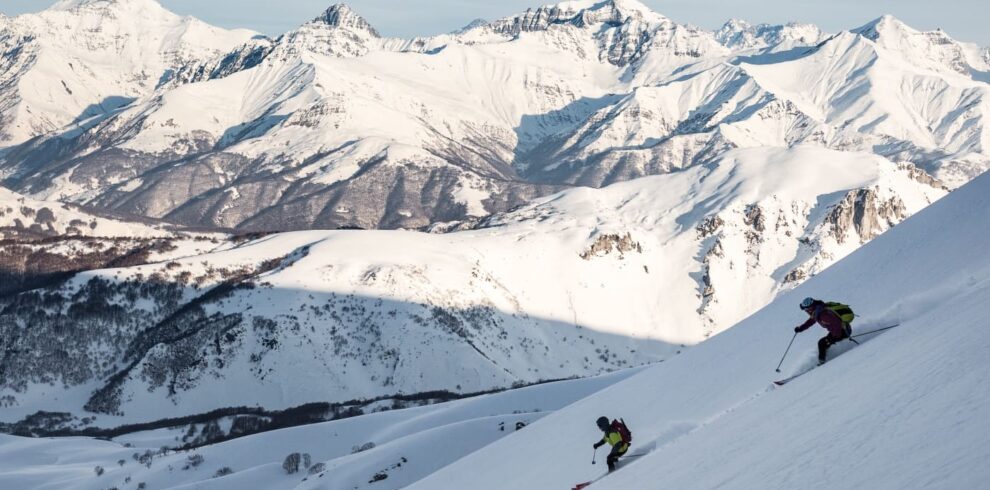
[577,283]
[904,409]
[85,58]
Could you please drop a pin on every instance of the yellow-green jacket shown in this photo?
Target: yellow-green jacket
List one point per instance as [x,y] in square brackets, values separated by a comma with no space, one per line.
[615,439]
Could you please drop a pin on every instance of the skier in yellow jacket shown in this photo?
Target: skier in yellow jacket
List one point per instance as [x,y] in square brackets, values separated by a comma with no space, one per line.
[618,436]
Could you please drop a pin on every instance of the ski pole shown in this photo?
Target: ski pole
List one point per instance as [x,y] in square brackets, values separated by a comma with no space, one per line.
[875,331]
[786,351]
[595,456]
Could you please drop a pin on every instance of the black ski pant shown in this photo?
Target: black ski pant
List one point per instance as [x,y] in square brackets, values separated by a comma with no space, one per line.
[828,341]
[618,451]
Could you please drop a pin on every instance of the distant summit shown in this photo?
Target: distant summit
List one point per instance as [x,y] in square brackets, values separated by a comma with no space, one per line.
[340,15]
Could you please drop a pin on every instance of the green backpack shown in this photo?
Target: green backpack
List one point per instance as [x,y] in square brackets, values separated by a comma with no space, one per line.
[844,311]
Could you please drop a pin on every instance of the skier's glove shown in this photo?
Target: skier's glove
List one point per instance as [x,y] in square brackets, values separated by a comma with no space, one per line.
[797,329]
[598,444]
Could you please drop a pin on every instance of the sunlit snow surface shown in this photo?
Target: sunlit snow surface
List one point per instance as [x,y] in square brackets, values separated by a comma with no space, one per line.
[903,410]
[558,306]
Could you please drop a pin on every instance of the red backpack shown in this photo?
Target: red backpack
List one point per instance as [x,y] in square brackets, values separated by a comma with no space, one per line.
[620,427]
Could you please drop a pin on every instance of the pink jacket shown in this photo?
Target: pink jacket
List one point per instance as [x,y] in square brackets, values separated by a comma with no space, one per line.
[826,318]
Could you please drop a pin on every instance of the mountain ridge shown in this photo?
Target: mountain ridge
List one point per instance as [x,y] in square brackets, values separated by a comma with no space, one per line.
[287,133]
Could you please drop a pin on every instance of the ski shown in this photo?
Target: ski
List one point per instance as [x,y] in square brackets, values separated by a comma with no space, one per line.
[618,466]
[784,381]
[586,484]
[798,375]
[852,338]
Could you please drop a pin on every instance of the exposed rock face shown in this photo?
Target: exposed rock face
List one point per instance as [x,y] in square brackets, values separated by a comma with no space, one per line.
[709,226]
[755,218]
[866,213]
[921,176]
[609,243]
[243,58]
[341,15]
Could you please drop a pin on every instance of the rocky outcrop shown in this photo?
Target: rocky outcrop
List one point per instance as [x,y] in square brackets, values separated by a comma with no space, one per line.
[709,226]
[918,175]
[612,243]
[865,212]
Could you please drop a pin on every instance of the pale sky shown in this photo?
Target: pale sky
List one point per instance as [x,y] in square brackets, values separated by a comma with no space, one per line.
[965,20]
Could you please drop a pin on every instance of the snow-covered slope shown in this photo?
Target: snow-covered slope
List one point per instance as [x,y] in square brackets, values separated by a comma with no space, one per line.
[903,410]
[20,215]
[332,125]
[350,451]
[86,58]
[574,284]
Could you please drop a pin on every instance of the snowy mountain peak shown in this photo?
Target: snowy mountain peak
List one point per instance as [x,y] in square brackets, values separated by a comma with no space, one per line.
[582,13]
[886,25]
[934,50]
[474,24]
[612,10]
[342,16]
[735,25]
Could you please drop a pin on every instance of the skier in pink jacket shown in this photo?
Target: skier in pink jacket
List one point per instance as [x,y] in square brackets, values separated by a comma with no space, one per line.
[819,312]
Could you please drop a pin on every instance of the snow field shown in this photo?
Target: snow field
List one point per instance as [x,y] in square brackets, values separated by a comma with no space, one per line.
[427,437]
[901,411]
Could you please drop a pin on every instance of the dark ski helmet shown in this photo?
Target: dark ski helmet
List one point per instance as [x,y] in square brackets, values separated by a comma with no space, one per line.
[807,302]
[602,423]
